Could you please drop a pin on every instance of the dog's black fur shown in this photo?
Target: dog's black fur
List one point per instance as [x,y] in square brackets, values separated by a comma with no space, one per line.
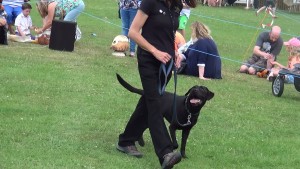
[191,102]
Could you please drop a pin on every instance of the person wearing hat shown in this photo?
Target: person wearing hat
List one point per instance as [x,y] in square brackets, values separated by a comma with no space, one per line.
[292,44]
[293,47]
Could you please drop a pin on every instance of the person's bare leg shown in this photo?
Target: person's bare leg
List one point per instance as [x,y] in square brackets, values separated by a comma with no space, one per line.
[244,69]
[260,9]
[251,71]
[10,29]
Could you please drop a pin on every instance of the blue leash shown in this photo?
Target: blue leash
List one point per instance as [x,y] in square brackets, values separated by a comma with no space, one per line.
[166,72]
[174,117]
[162,87]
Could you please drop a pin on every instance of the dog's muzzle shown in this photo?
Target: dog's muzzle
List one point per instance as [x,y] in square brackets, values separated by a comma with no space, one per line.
[195,102]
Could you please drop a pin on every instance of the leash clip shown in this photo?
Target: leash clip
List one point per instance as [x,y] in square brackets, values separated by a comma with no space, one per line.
[189,119]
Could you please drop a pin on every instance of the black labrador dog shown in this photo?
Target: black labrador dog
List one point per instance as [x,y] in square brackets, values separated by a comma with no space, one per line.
[187,110]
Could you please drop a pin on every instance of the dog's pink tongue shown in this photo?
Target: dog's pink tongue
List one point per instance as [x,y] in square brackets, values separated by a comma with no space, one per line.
[195,101]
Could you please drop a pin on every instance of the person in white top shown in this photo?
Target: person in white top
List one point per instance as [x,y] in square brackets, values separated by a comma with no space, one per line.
[13,9]
[23,21]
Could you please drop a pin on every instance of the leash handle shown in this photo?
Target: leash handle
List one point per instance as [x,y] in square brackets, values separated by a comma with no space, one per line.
[166,72]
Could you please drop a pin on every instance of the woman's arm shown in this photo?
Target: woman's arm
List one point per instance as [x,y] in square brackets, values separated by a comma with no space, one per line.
[134,34]
[50,16]
[201,72]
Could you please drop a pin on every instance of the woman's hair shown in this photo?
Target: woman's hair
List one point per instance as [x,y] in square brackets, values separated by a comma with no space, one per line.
[200,31]
[191,3]
[294,50]
[295,54]
[42,7]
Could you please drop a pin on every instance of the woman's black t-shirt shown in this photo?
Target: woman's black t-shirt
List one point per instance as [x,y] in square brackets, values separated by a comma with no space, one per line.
[161,24]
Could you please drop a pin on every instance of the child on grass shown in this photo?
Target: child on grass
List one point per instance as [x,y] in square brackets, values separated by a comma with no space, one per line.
[293,59]
[23,22]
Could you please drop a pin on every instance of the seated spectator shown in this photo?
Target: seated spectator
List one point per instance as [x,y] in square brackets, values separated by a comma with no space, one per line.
[202,56]
[2,15]
[13,9]
[3,37]
[292,44]
[293,47]
[23,22]
[268,46]
[3,34]
[294,59]
[179,40]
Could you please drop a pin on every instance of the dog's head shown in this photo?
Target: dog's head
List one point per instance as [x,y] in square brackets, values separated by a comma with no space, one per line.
[197,97]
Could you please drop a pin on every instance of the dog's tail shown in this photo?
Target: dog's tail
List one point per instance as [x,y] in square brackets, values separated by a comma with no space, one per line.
[128,86]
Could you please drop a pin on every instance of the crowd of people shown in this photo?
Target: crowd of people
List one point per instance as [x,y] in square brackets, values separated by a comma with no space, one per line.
[15,16]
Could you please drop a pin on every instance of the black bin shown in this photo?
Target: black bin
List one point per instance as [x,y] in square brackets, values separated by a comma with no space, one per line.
[62,35]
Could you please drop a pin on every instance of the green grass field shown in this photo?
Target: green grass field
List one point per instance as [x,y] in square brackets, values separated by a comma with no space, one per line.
[66,109]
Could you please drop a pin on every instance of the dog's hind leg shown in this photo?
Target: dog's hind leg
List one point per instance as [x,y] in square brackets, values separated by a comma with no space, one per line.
[172,130]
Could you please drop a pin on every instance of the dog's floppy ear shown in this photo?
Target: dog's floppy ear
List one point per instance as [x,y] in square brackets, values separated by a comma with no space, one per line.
[187,93]
[209,95]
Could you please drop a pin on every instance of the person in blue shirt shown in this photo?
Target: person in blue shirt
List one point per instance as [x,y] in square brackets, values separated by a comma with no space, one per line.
[202,56]
[128,10]
[13,8]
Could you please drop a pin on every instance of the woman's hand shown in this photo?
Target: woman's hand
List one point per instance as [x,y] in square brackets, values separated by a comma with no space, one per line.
[33,27]
[162,56]
[38,30]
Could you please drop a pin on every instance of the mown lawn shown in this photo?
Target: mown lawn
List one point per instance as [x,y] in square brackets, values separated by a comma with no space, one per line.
[66,109]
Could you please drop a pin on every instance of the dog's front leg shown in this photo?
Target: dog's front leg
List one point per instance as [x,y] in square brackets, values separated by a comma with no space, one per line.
[172,130]
[185,135]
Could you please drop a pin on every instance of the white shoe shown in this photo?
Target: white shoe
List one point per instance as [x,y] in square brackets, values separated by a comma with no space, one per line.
[78,34]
